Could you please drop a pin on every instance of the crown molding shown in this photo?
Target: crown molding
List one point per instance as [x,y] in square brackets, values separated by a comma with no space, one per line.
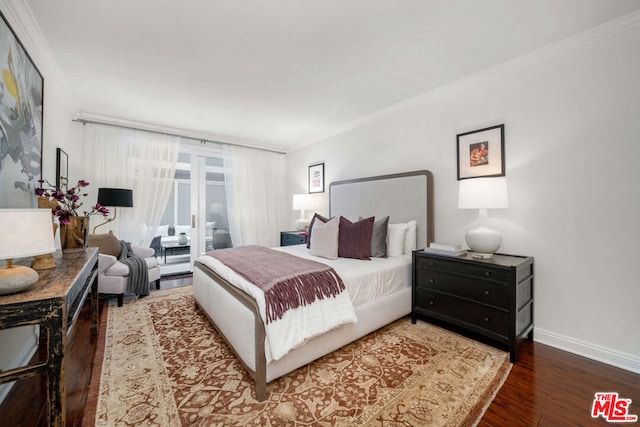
[26,27]
[592,35]
[24,24]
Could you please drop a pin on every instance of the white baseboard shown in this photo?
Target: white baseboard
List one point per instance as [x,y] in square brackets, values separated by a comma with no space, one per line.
[22,359]
[589,350]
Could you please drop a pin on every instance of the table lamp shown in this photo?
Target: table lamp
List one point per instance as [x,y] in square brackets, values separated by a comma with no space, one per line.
[302,202]
[25,233]
[114,197]
[483,194]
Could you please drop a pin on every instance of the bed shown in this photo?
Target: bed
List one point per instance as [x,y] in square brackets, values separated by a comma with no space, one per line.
[385,297]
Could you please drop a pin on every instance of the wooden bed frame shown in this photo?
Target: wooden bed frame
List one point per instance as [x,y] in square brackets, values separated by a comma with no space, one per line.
[235,314]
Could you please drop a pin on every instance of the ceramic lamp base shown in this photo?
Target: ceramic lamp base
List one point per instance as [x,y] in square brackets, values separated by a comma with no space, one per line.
[302,224]
[16,279]
[43,262]
[483,242]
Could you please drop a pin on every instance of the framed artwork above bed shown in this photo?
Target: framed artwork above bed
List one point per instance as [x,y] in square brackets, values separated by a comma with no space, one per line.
[316,178]
[481,153]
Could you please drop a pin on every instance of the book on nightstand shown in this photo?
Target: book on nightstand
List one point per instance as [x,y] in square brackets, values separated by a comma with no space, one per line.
[445,249]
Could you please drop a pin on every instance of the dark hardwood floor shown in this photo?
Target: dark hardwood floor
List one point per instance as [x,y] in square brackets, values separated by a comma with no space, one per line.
[547,387]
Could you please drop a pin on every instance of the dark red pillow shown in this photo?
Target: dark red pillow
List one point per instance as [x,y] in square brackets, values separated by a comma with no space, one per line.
[319,217]
[354,238]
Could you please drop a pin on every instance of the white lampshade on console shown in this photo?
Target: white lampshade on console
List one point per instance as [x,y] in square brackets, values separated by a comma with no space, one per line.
[25,233]
[302,202]
[483,194]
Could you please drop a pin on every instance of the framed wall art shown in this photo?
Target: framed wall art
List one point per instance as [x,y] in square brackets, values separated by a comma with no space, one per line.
[316,178]
[481,153]
[20,124]
[62,167]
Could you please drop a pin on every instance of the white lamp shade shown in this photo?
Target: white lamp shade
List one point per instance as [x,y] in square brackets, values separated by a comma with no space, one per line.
[25,232]
[302,202]
[483,193]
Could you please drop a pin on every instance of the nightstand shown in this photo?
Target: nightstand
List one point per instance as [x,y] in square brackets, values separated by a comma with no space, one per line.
[288,238]
[490,297]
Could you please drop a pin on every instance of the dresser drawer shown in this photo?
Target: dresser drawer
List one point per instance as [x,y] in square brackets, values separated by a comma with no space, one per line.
[288,239]
[459,310]
[482,291]
[485,272]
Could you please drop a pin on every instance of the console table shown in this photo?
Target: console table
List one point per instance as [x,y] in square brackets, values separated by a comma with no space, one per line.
[54,303]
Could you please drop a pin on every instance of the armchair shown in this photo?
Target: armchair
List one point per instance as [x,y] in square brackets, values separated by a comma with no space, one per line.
[112,274]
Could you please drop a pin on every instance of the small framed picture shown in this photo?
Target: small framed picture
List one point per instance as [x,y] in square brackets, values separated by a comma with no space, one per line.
[481,153]
[316,178]
[62,168]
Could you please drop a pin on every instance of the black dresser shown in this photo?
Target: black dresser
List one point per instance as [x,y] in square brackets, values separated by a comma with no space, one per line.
[489,297]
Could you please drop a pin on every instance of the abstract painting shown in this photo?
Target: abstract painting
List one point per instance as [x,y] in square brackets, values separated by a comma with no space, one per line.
[21,107]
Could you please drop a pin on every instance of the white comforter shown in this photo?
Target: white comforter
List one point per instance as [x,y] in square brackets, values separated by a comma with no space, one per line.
[365,281]
[296,325]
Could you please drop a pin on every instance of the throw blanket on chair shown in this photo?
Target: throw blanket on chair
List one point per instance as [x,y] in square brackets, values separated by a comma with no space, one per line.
[298,298]
[138,280]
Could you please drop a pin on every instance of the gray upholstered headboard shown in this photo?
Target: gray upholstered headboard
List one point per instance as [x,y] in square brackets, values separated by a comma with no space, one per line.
[402,196]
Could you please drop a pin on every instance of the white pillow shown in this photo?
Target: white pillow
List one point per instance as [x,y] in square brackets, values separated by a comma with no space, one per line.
[324,239]
[163,230]
[410,237]
[395,239]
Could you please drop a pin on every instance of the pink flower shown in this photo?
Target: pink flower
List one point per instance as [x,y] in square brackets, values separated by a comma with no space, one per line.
[100,209]
[68,200]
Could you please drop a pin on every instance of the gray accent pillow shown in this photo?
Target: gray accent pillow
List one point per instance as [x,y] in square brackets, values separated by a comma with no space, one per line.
[324,240]
[379,237]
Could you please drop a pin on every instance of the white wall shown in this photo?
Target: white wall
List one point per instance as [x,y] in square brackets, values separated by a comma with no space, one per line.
[18,344]
[571,115]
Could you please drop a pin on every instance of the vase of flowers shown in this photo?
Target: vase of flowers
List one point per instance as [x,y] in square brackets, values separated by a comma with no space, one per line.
[74,228]
[74,235]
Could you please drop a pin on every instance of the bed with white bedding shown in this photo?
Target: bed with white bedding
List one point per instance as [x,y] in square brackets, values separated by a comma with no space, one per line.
[379,289]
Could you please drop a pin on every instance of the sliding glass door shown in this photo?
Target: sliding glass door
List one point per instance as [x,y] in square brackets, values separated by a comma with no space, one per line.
[197,207]
[210,226]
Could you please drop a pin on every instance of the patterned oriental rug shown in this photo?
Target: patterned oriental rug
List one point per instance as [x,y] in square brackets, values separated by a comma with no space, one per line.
[165,365]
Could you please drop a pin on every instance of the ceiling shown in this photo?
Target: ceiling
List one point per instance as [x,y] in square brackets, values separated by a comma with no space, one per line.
[284,73]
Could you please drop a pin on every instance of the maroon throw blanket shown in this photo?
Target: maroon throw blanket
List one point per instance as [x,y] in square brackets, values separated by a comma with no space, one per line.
[287,281]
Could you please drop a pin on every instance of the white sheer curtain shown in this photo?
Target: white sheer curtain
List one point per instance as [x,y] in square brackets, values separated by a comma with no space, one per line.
[142,161]
[254,185]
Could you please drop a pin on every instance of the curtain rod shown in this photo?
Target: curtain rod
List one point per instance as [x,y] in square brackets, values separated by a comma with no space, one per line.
[202,140]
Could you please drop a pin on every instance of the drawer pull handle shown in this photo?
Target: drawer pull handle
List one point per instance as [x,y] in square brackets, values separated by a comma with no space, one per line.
[487,273]
[431,302]
[431,263]
[486,319]
[431,280]
[487,293]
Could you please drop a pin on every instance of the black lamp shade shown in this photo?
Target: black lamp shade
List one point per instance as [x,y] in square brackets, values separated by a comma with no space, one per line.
[115,197]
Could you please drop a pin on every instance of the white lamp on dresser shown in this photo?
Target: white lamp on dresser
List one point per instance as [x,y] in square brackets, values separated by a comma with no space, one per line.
[483,194]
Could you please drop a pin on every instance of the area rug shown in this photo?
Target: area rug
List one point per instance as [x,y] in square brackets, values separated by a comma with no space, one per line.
[165,365]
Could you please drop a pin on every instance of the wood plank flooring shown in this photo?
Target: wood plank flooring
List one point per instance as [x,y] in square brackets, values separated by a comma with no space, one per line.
[547,387]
